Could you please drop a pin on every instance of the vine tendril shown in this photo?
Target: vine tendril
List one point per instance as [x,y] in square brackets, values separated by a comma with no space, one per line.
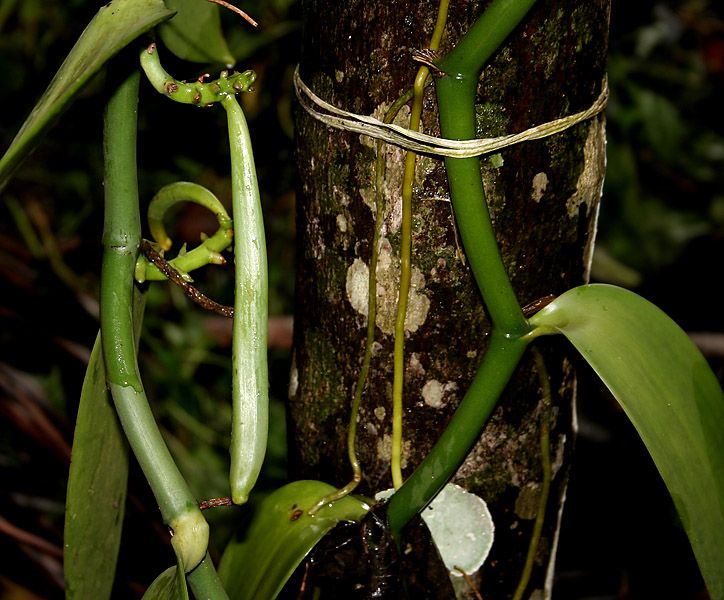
[208,252]
[406,256]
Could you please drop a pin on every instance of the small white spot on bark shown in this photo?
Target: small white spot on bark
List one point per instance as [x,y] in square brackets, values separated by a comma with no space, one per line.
[357,286]
[380,413]
[293,378]
[432,393]
[384,449]
[339,76]
[342,223]
[436,394]
[540,183]
[416,367]
[388,283]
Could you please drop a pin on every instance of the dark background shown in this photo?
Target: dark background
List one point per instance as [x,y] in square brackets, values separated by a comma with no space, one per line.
[661,226]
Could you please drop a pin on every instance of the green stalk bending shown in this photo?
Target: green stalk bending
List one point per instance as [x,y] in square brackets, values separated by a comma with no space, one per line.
[121,239]
[250,385]
[406,256]
[208,252]
[456,102]
[197,92]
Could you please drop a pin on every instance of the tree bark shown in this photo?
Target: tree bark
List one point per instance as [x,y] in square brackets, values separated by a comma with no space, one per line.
[543,198]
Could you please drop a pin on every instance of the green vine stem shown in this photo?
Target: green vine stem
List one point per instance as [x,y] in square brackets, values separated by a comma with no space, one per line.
[121,240]
[406,255]
[456,91]
[456,100]
[205,582]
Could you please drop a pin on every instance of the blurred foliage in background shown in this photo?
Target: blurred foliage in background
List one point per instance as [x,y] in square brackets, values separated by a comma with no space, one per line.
[661,232]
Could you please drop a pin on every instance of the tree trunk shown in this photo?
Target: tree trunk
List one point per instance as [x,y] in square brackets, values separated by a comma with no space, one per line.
[543,198]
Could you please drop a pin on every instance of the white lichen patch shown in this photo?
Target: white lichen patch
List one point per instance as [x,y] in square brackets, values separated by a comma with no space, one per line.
[415,366]
[388,282]
[339,75]
[402,119]
[590,182]
[436,394]
[560,449]
[342,223]
[340,195]
[293,378]
[540,183]
[369,198]
[380,413]
[357,286]
[496,160]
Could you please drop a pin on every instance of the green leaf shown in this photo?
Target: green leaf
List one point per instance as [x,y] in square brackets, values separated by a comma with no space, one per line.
[670,394]
[281,535]
[195,32]
[96,490]
[113,27]
[168,586]
[96,497]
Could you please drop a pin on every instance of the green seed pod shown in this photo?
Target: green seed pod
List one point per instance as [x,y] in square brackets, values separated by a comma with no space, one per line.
[250,385]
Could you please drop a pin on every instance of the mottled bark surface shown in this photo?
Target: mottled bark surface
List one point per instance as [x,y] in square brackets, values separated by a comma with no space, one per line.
[543,197]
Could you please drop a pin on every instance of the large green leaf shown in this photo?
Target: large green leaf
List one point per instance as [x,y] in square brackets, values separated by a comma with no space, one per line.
[96,498]
[195,32]
[96,490]
[671,396]
[279,538]
[115,26]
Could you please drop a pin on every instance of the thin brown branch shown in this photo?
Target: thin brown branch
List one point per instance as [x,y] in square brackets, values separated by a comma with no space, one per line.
[214,502]
[238,11]
[174,276]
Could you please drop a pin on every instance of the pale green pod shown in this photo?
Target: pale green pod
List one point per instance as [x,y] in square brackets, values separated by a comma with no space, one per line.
[250,385]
